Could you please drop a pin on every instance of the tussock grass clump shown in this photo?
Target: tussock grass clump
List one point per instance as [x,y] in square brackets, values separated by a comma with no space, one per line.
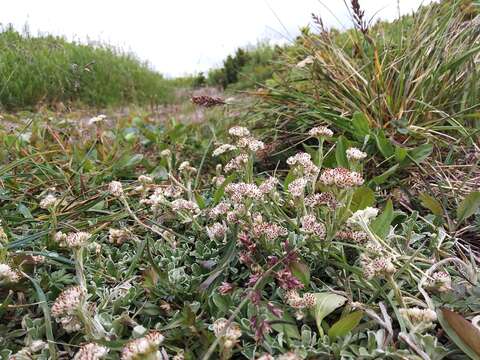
[415,78]
[48,69]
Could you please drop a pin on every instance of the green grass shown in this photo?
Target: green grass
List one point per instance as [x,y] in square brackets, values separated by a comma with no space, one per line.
[47,70]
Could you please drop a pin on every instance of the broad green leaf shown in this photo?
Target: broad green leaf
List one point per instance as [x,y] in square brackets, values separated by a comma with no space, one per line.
[400,153]
[134,160]
[326,304]
[468,206]
[301,271]
[346,324]
[362,197]
[461,332]
[381,225]
[384,145]
[200,201]
[360,124]
[432,204]
[341,152]
[380,179]
[22,209]
[420,153]
[286,325]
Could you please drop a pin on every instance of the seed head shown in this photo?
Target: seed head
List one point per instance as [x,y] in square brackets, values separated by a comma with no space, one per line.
[116,188]
[91,351]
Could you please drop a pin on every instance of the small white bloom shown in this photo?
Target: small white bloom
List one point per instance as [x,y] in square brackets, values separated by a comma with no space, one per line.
[361,217]
[223,149]
[8,275]
[320,131]
[116,188]
[239,131]
[355,154]
[48,201]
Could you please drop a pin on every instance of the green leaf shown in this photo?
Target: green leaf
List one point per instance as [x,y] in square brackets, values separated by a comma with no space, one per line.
[326,304]
[22,209]
[360,124]
[289,178]
[419,154]
[400,153]
[200,201]
[287,325]
[362,197]
[432,204]
[461,332]
[341,152]
[346,324]
[384,144]
[221,190]
[301,271]
[381,225]
[380,179]
[468,206]
[134,160]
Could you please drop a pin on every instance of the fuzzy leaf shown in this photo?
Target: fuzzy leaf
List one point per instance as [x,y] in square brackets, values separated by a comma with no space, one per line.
[431,204]
[468,206]
[381,224]
[362,197]
[326,304]
[346,324]
[341,152]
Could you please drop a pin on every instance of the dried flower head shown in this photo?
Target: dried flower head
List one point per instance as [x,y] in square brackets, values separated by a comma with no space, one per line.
[326,198]
[165,153]
[220,209]
[379,267]
[355,154]
[239,131]
[227,333]
[239,192]
[341,178]
[77,240]
[48,201]
[118,236]
[417,318]
[95,119]
[91,351]
[116,188]
[250,143]
[143,348]
[268,185]
[185,167]
[66,306]
[185,205]
[320,131]
[8,275]
[440,281]
[223,149]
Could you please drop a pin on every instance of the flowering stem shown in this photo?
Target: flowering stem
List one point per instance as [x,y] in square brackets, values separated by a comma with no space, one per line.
[397,291]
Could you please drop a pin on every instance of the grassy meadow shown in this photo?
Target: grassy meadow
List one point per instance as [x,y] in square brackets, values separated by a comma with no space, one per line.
[322,203]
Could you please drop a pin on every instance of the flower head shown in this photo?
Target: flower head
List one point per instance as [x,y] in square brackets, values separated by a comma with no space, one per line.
[251,143]
[48,201]
[355,154]
[144,347]
[91,351]
[216,231]
[185,167]
[236,163]
[223,149]
[362,217]
[77,240]
[116,188]
[341,178]
[310,225]
[297,187]
[8,275]
[320,131]
[185,205]
[118,236]
[227,333]
[65,308]
[239,131]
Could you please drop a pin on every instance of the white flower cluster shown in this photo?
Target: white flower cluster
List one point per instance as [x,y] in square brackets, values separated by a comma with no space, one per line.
[48,201]
[250,143]
[320,131]
[293,299]
[116,188]
[217,231]
[304,161]
[341,178]
[269,230]
[239,131]
[362,217]
[185,205]
[242,191]
[355,154]
[227,333]
[237,163]
[378,267]
[268,185]
[221,208]
[143,348]
[77,240]
[310,225]
[440,281]
[297,187]
[307,61]
[66,307]
[95,119]
[8,275]
[118,236]
[185,167]
[326,198]
[223,149]
[419,318]
[91,351]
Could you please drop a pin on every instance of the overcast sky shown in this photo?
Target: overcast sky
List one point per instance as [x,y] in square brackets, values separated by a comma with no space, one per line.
[184,36]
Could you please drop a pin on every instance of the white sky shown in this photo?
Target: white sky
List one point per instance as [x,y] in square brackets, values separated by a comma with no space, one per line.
[184,36]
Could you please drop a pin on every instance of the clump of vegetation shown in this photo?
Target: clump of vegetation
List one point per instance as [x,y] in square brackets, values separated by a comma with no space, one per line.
[394,86]
[48,70]
[117,243]
[248,68]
